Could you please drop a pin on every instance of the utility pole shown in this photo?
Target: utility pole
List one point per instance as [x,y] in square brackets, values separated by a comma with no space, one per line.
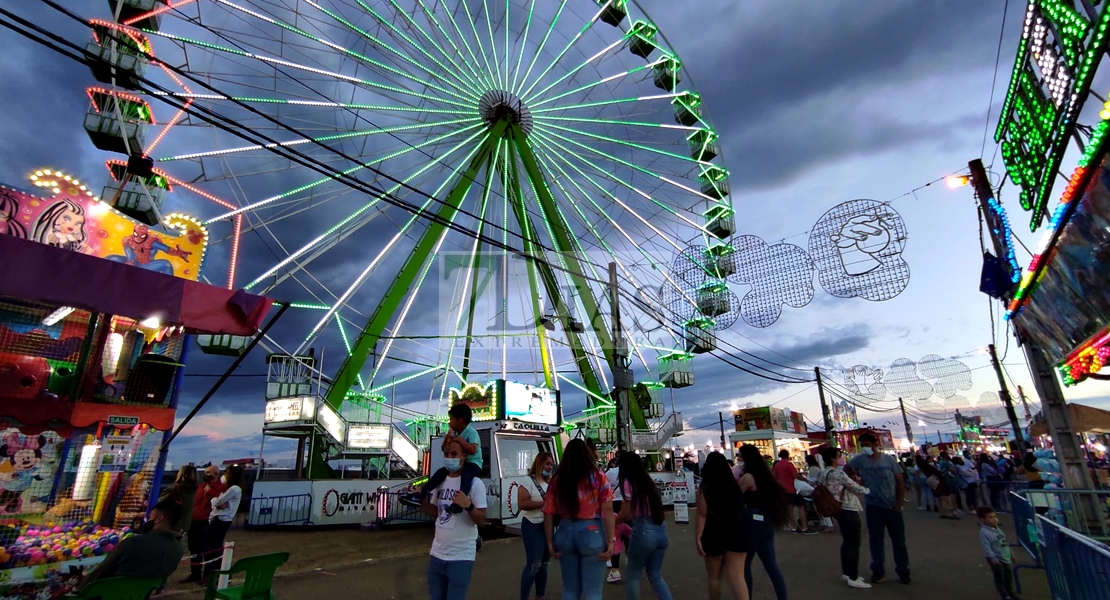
[621,366]
[825,414]
[905,421]
[721,417]
[1025,403]
[1007,401]
[1064,442]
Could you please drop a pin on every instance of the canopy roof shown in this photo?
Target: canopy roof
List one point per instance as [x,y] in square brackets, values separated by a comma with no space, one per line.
[45,274]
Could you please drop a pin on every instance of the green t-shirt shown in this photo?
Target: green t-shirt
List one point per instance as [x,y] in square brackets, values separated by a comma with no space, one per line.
[471,437]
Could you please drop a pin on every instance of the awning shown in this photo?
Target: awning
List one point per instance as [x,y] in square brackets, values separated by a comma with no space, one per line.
[39,273]
[1084,419]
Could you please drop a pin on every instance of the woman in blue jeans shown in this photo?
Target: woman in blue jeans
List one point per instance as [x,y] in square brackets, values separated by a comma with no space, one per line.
[530,496]
[642,507]
[579,494]
[770,511]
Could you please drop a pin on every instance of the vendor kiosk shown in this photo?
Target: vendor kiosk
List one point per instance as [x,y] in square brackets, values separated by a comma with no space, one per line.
[515,422]
[771,430]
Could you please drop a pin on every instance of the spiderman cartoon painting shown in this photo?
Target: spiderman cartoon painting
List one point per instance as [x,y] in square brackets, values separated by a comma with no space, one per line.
[140,248]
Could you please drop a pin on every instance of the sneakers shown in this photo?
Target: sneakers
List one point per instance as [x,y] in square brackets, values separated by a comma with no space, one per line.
[922,508]
[904,580]
[807,532]
[614,577]
[413,500]
[877,579]
[844,578]
[858,583]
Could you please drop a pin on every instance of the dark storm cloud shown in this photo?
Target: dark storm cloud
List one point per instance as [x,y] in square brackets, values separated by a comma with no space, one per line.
[767,92]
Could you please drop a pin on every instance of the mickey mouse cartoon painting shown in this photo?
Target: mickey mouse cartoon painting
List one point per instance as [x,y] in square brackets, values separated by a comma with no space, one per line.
[21,458]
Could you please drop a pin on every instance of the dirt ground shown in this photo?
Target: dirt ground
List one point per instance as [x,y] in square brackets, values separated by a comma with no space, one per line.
[322,549]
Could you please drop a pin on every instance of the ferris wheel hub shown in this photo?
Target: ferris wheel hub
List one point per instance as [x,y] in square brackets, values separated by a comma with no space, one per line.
[497,105]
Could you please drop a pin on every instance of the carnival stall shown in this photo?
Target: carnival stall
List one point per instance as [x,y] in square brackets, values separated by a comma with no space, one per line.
[772,430]
[95,311]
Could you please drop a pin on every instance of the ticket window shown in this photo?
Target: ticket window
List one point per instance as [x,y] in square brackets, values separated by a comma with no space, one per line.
[515,454]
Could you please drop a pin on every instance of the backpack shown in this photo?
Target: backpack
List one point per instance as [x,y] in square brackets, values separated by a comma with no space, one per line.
[824,502]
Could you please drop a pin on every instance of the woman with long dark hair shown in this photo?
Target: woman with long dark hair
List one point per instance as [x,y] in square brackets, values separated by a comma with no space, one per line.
[721,527]
[183,492]
[530,496]
[643,508]
[770,510]
[224,508]
[581,497]
[848,492]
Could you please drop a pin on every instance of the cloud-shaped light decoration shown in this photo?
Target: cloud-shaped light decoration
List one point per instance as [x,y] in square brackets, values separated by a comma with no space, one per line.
[903,381]
[857,249]
[951,375]
[778,274]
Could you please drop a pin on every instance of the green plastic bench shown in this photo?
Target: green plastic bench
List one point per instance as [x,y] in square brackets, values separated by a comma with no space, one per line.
[120,588]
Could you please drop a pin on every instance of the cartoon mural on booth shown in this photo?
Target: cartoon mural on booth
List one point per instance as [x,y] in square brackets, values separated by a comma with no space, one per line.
[77,222]
[27,464]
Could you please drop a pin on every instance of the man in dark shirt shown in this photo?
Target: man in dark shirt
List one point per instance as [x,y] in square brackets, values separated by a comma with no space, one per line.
[154,554]
[883,477]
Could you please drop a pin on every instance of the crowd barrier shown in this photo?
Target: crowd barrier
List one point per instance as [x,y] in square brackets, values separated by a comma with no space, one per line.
[1082,511]
[280,510]
[1078,567]
[392,509]
[1025,526]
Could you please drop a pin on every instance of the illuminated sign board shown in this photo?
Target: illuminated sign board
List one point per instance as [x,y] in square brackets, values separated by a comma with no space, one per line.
[332,423]
[482,400]
[281,410]
[1061,44]
[361,437]
[530,403]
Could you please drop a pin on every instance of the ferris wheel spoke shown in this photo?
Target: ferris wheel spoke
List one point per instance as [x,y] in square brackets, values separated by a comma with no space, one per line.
[528,92]
[479,76]
[620,122]
[457,72]
[316,103]
[361,279]
[523,43]
[682,157]
[539,51]
[460,93]
[538,102]
[495,74]
[339,227]
[324,138]
[607,156]
[483,75]
[600,103]
[602,188]
[297,190]
[572,72]
[285,63]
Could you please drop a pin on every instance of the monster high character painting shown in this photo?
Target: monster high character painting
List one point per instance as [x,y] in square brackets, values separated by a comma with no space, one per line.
[62,225]
[9,210]
[20,468]
[140,248]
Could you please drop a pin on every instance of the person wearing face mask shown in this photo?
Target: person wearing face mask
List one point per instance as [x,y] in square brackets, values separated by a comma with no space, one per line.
[530,495]
[882,476]
[454,545]
[224,508]
[153,555]
[198,529]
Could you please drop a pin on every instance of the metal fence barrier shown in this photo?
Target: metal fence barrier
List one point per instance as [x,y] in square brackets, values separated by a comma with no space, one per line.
[1025,526]
[1078,567]
[280,510]
[391,508]
[1082,511]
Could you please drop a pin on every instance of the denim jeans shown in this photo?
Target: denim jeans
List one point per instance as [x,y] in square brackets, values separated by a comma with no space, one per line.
[763,543]
[448,580]
[536,559]
[879,520]
[580,541]
[645,550]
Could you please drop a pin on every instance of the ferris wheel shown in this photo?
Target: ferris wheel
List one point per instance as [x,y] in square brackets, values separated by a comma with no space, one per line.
[437,184]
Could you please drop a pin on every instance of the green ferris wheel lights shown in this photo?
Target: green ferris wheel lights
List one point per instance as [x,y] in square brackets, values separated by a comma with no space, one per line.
[457,71]
[527,93]
[319,103]
[346,342]
[571,72]
[601,400]
[619,122]
[600,103]
[309,305]
[539,51]
[520,57]
[360,211]
[306,68]
[683,157]
[465,93]
[485,76]
[537,102]
[323,138]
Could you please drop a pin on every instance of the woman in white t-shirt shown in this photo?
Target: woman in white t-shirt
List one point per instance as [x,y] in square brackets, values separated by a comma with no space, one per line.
[224,508]
[530,496]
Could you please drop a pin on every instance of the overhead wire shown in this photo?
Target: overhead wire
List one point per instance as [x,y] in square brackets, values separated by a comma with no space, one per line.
[994,78]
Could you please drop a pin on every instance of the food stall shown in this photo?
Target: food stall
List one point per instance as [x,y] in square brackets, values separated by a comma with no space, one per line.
[772,430]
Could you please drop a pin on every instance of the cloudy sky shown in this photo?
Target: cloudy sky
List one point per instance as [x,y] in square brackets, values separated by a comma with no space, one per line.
[817,103]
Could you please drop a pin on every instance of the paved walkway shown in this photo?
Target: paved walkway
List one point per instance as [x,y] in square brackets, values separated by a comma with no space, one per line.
[945,560]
